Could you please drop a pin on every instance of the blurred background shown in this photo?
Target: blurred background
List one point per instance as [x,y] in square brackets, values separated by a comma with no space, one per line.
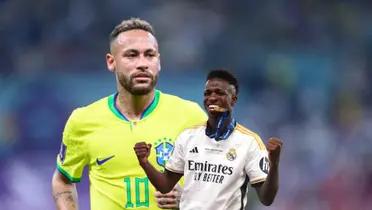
[304,68]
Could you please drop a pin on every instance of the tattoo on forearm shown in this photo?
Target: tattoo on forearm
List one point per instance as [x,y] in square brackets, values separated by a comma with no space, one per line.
[67,196]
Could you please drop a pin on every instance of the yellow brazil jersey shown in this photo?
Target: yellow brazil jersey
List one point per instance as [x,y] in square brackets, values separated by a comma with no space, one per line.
[100,137]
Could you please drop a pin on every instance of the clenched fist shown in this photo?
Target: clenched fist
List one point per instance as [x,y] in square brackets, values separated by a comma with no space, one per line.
[274,147]
[142,151]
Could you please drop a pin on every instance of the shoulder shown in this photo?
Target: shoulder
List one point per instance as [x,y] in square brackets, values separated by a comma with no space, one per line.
[250,135]
[93,110]
[178,101]
[244,130]
[192,133]
[188,110]
[86,118]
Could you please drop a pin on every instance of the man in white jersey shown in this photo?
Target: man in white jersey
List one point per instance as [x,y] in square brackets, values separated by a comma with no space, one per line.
[218,159]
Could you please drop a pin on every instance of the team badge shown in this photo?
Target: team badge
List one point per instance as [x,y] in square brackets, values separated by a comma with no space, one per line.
[231,154]
[163,148]
[265,165]
[62,152]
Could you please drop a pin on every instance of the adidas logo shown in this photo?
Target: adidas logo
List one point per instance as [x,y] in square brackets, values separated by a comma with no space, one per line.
[194,150]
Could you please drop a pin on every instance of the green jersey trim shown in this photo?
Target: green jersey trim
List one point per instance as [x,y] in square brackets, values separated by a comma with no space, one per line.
[146,112]
[152,106]
[65,174]
[111,104]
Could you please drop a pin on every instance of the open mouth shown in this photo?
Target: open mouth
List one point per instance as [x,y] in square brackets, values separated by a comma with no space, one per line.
[216,108]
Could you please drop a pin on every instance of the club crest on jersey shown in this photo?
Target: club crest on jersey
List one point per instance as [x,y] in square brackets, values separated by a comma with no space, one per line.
[163,148]
[231,154]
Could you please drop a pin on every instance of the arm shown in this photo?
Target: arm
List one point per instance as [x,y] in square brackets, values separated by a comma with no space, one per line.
[64,192]
[267,190]
[164,182]
[169,200]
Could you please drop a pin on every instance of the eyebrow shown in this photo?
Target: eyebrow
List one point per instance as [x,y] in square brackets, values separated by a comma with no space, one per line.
[138,50]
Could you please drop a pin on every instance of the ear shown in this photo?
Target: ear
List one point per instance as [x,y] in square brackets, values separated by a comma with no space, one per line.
[234,99]
[110,62]
[159,63]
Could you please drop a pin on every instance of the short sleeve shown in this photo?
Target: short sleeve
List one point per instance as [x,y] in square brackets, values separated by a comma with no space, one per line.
[176,161]
[72,156]
[257,166]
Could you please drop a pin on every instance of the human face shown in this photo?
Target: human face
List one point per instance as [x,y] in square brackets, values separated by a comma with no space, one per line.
[218,92]
[135,60]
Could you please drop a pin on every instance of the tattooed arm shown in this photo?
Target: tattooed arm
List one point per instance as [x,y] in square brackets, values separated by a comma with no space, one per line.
[64,192]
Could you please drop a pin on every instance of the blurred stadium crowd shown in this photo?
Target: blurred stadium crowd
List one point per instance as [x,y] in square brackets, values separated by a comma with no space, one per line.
[304,67]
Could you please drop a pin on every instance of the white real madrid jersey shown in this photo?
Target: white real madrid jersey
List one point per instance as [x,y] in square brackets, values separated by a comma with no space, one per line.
[217,173]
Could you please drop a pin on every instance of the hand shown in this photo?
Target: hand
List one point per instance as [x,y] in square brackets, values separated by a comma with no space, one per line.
[274,147]
[169,200]
[142,151]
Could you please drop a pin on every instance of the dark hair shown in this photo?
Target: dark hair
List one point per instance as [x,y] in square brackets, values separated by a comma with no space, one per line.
[224,75]
[131,24]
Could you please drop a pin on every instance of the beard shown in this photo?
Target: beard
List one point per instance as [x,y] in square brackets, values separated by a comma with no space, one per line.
[127,81]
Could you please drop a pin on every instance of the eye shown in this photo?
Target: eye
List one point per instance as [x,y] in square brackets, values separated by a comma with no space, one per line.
[130,54]
[207,93]
[150,54]
[220,92]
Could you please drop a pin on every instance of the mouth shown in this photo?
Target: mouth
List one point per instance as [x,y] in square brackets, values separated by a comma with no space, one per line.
[142,77]
[216,108]
[139,79]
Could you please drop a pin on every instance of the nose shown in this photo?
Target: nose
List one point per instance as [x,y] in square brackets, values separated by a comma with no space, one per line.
[211,98]
[142,67]
[142,64]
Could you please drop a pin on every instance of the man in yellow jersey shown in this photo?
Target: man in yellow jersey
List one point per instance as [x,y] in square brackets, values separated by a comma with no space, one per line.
[102,135]
[219,158]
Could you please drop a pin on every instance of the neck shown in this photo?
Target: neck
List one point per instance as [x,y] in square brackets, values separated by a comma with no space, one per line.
[132,106]
[221,126]
[214,120]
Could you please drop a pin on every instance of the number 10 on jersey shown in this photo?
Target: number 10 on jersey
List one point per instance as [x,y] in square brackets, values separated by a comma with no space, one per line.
[139,187]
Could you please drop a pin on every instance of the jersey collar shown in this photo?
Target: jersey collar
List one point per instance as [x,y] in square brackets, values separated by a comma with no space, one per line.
[149,109]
